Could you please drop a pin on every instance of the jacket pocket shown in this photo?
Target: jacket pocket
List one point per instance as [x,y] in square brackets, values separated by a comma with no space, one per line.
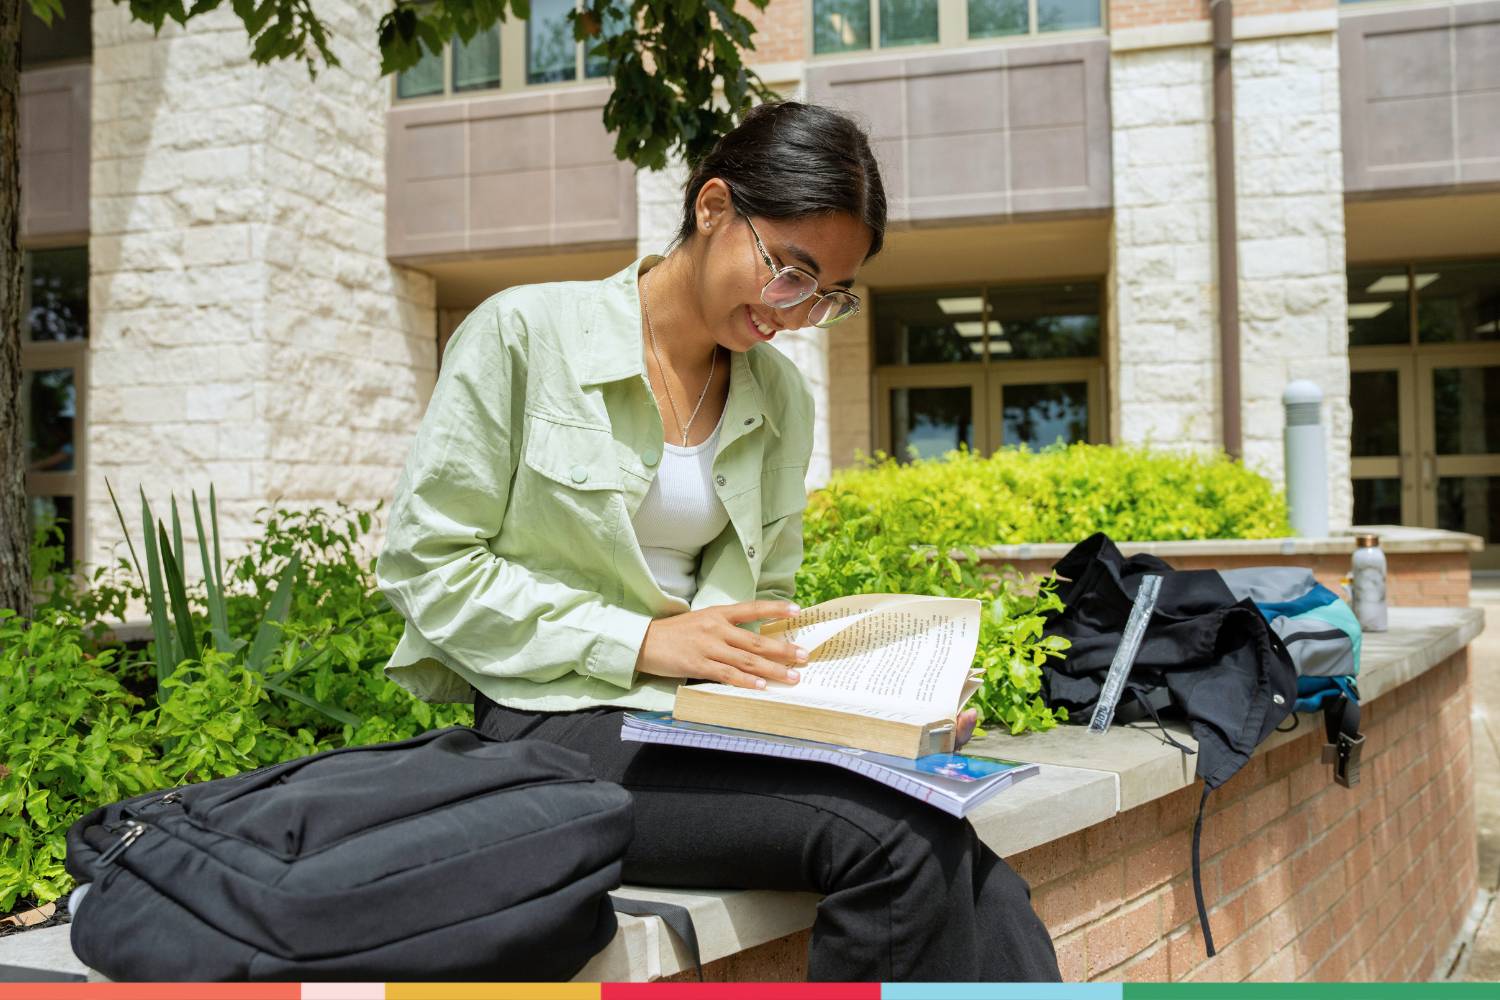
[576,456]
[783,491]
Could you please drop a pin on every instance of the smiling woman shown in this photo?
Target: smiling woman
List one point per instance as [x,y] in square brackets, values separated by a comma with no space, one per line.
[604,500]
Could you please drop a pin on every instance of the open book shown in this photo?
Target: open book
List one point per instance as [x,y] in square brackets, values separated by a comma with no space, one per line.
[885,672]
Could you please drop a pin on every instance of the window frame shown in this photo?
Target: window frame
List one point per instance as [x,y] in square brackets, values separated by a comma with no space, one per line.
[37,356]
[987,379]
[513,70]
[953,32]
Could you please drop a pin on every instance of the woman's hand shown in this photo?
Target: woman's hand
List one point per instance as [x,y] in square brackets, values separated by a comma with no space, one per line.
[708,644]
[964,730]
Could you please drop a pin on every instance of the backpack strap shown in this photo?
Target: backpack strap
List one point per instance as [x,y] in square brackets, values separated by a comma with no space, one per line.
[1345,741]
[676,917]
[1208,935]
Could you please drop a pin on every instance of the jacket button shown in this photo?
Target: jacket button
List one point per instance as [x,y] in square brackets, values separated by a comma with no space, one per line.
[721,480]
[649,456]
[580,474]
[750,552]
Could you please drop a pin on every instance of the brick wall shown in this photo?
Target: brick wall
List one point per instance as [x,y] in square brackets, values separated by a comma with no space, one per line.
[1304,879]
[778,31]
[1148,13]
[1414,580]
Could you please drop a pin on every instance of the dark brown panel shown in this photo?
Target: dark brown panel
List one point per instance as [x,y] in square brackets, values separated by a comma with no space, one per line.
[54,141]
[982,133]
[505,173]
[1420,91]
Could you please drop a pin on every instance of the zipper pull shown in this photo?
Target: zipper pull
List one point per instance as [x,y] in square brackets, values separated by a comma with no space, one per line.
[168,799]
[132,833]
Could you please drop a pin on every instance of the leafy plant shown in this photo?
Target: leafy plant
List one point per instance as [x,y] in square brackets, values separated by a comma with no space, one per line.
[1065,494]
[900,543]
[172,622]
[88,723]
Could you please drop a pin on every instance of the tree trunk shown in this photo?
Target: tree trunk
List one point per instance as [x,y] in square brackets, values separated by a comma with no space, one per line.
[15,541]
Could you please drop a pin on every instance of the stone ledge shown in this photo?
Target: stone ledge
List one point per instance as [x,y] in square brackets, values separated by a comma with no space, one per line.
[1127,768]
[1394,539]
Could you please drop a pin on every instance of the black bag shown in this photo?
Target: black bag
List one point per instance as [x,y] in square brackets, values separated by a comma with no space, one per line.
[1205,654]
[449,856]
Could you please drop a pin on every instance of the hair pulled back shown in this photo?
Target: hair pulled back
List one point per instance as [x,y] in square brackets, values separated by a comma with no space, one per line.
[788,160]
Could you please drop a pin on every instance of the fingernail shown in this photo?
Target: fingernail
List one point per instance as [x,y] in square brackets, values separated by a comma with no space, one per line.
[801,654]
[792,675]
[792,609]
[760,682]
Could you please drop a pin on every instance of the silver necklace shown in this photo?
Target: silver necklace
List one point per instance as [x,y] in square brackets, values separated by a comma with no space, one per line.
[645,283]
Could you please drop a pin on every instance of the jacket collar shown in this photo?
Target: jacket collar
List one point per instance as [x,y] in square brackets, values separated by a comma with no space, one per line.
[615,350]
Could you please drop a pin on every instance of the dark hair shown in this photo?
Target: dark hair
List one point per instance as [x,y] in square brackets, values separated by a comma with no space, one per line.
[788,160]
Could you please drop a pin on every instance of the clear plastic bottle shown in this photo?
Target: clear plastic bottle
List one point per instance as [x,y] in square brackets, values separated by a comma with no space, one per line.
[1369,583]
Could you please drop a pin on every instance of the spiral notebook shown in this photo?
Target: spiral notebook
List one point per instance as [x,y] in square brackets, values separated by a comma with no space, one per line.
[954,783]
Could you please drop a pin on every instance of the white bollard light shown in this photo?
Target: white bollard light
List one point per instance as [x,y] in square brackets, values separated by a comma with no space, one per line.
[1306,459]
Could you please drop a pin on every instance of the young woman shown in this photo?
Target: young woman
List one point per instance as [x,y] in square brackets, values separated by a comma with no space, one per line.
[605,498]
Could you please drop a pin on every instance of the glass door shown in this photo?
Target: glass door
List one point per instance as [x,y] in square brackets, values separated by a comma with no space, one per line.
[1424,388]
[1459,404]
[1383,437]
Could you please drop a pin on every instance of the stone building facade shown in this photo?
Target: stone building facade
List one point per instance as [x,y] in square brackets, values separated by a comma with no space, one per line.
[245,277]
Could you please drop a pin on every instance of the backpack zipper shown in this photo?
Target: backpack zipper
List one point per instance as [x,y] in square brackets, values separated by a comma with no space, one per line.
[133,831]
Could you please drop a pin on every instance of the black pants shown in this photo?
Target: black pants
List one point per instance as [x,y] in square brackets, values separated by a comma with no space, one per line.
[910,893]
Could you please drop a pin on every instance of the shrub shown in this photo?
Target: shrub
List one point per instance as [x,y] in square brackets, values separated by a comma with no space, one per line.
[86,724]
[1066,494]
[902,545]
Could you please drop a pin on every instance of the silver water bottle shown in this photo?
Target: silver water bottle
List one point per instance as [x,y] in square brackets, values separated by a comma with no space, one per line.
[1369,583]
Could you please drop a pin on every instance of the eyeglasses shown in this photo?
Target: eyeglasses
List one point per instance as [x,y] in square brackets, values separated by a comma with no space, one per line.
[791,286]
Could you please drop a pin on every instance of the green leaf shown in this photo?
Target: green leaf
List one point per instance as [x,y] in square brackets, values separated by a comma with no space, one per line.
[267,635]
[167,653]
[177,590]
[337,714]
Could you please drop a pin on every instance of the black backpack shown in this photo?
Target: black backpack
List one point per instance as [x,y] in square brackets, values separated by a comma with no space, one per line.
[449,856]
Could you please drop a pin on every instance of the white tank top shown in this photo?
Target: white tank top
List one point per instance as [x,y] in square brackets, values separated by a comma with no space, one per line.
[681,514]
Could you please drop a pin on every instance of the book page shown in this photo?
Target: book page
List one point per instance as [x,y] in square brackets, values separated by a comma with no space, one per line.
[897,652]
[814,626]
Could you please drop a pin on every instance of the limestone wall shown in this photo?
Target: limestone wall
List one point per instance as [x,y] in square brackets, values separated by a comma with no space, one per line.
[1163,367]
[247,329]
[1290,182]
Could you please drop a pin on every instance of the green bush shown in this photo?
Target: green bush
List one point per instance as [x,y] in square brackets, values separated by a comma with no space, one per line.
[901,544]
[1066,494]
[290,665]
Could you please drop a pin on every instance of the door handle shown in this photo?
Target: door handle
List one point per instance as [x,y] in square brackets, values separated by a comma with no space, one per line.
[1429,469]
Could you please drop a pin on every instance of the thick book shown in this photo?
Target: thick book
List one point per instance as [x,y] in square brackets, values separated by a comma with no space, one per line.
[954,783]
[885,672]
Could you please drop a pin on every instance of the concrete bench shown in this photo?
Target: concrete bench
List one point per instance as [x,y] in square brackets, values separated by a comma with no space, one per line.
[1303,878]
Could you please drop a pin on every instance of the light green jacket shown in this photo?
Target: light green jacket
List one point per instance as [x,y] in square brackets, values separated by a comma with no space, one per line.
[510,549]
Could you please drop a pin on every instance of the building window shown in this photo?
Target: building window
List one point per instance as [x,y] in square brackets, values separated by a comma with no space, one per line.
[68,38]
[511,56]
[461,66]
[987,367]
[54,316]
[861,25]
